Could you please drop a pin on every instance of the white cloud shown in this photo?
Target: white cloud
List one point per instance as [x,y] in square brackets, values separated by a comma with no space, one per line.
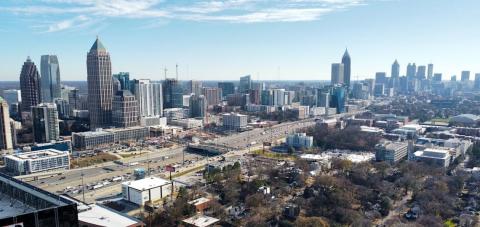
[235,11]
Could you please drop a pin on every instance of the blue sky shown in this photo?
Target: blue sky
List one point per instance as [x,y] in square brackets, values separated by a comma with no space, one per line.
[223,40]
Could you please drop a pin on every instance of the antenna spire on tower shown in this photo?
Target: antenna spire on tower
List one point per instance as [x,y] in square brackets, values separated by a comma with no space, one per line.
[176,71]
[165,72]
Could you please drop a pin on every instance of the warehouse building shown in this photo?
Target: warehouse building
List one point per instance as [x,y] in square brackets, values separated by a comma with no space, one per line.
[149,189]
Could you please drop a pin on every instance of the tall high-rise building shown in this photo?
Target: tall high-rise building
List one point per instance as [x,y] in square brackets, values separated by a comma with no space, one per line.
[453,78]
[437,77]
[149,97]
[124,79]
[395,69]
[338,99]
[381,78]
[278,97]
[430,71]
[245,84]
[124,109]
[477,81]
[172,94]
[198,106]
[323,98]
[228,88]
[100,86]
[29,85]
[74,99]
[346,61]
[45,123]
[421,72]
[411,70]
[213,95]
[6,141]
[50,78]
[465,76]
[337,73]
[195,86]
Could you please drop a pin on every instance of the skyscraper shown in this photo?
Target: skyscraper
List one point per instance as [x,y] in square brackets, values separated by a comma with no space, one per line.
[411,70]
[124,109]
[6,141]
[337,73]
[172,94]
[245,84]
[50,78]
[45,123]
[198,106]
[29,85]
[124,79]
[395,69]
[477,81]
[228,88]
[465,76]
[346,68]
[100,87]
[149,97]
[338,99]
[421,72]
[437,77]
[430,71]
[195,86]
[213,95]
[395,75]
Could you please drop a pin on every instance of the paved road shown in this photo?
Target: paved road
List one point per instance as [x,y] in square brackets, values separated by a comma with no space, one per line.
[241,141]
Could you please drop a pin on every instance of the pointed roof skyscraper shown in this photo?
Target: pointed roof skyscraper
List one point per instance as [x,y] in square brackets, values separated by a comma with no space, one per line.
[98,46]
[346,61]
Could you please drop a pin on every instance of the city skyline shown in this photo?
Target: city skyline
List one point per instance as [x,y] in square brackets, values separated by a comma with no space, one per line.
[299,41]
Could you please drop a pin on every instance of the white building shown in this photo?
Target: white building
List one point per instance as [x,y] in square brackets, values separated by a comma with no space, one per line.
[234,121]
[150,189]
[299,140]
[391,151]
[37,161]
[434,156]
[149,97]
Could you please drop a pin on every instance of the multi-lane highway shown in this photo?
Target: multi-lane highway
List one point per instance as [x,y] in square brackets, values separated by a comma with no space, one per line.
[156,160]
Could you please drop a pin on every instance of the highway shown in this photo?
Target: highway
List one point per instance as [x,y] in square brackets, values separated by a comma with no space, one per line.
[156,160]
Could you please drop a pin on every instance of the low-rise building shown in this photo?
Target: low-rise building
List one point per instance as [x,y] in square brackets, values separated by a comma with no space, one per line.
[150,189]
[37,161]
[234,121]
[432,156]
[200,220]
[391,152]
[105,137]
[300,140]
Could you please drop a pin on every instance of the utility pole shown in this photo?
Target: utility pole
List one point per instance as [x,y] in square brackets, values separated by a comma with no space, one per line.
[83,188]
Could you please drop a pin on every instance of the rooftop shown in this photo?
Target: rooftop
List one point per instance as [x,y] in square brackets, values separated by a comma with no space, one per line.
[146,183]
[201,220]
[36,154]
[433,153]
[102,216]
[199,201]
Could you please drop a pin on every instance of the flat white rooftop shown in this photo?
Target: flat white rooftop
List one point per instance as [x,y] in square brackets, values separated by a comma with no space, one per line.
[146,183]
[102,216]
[47,153]
[199,201]
[201,220]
